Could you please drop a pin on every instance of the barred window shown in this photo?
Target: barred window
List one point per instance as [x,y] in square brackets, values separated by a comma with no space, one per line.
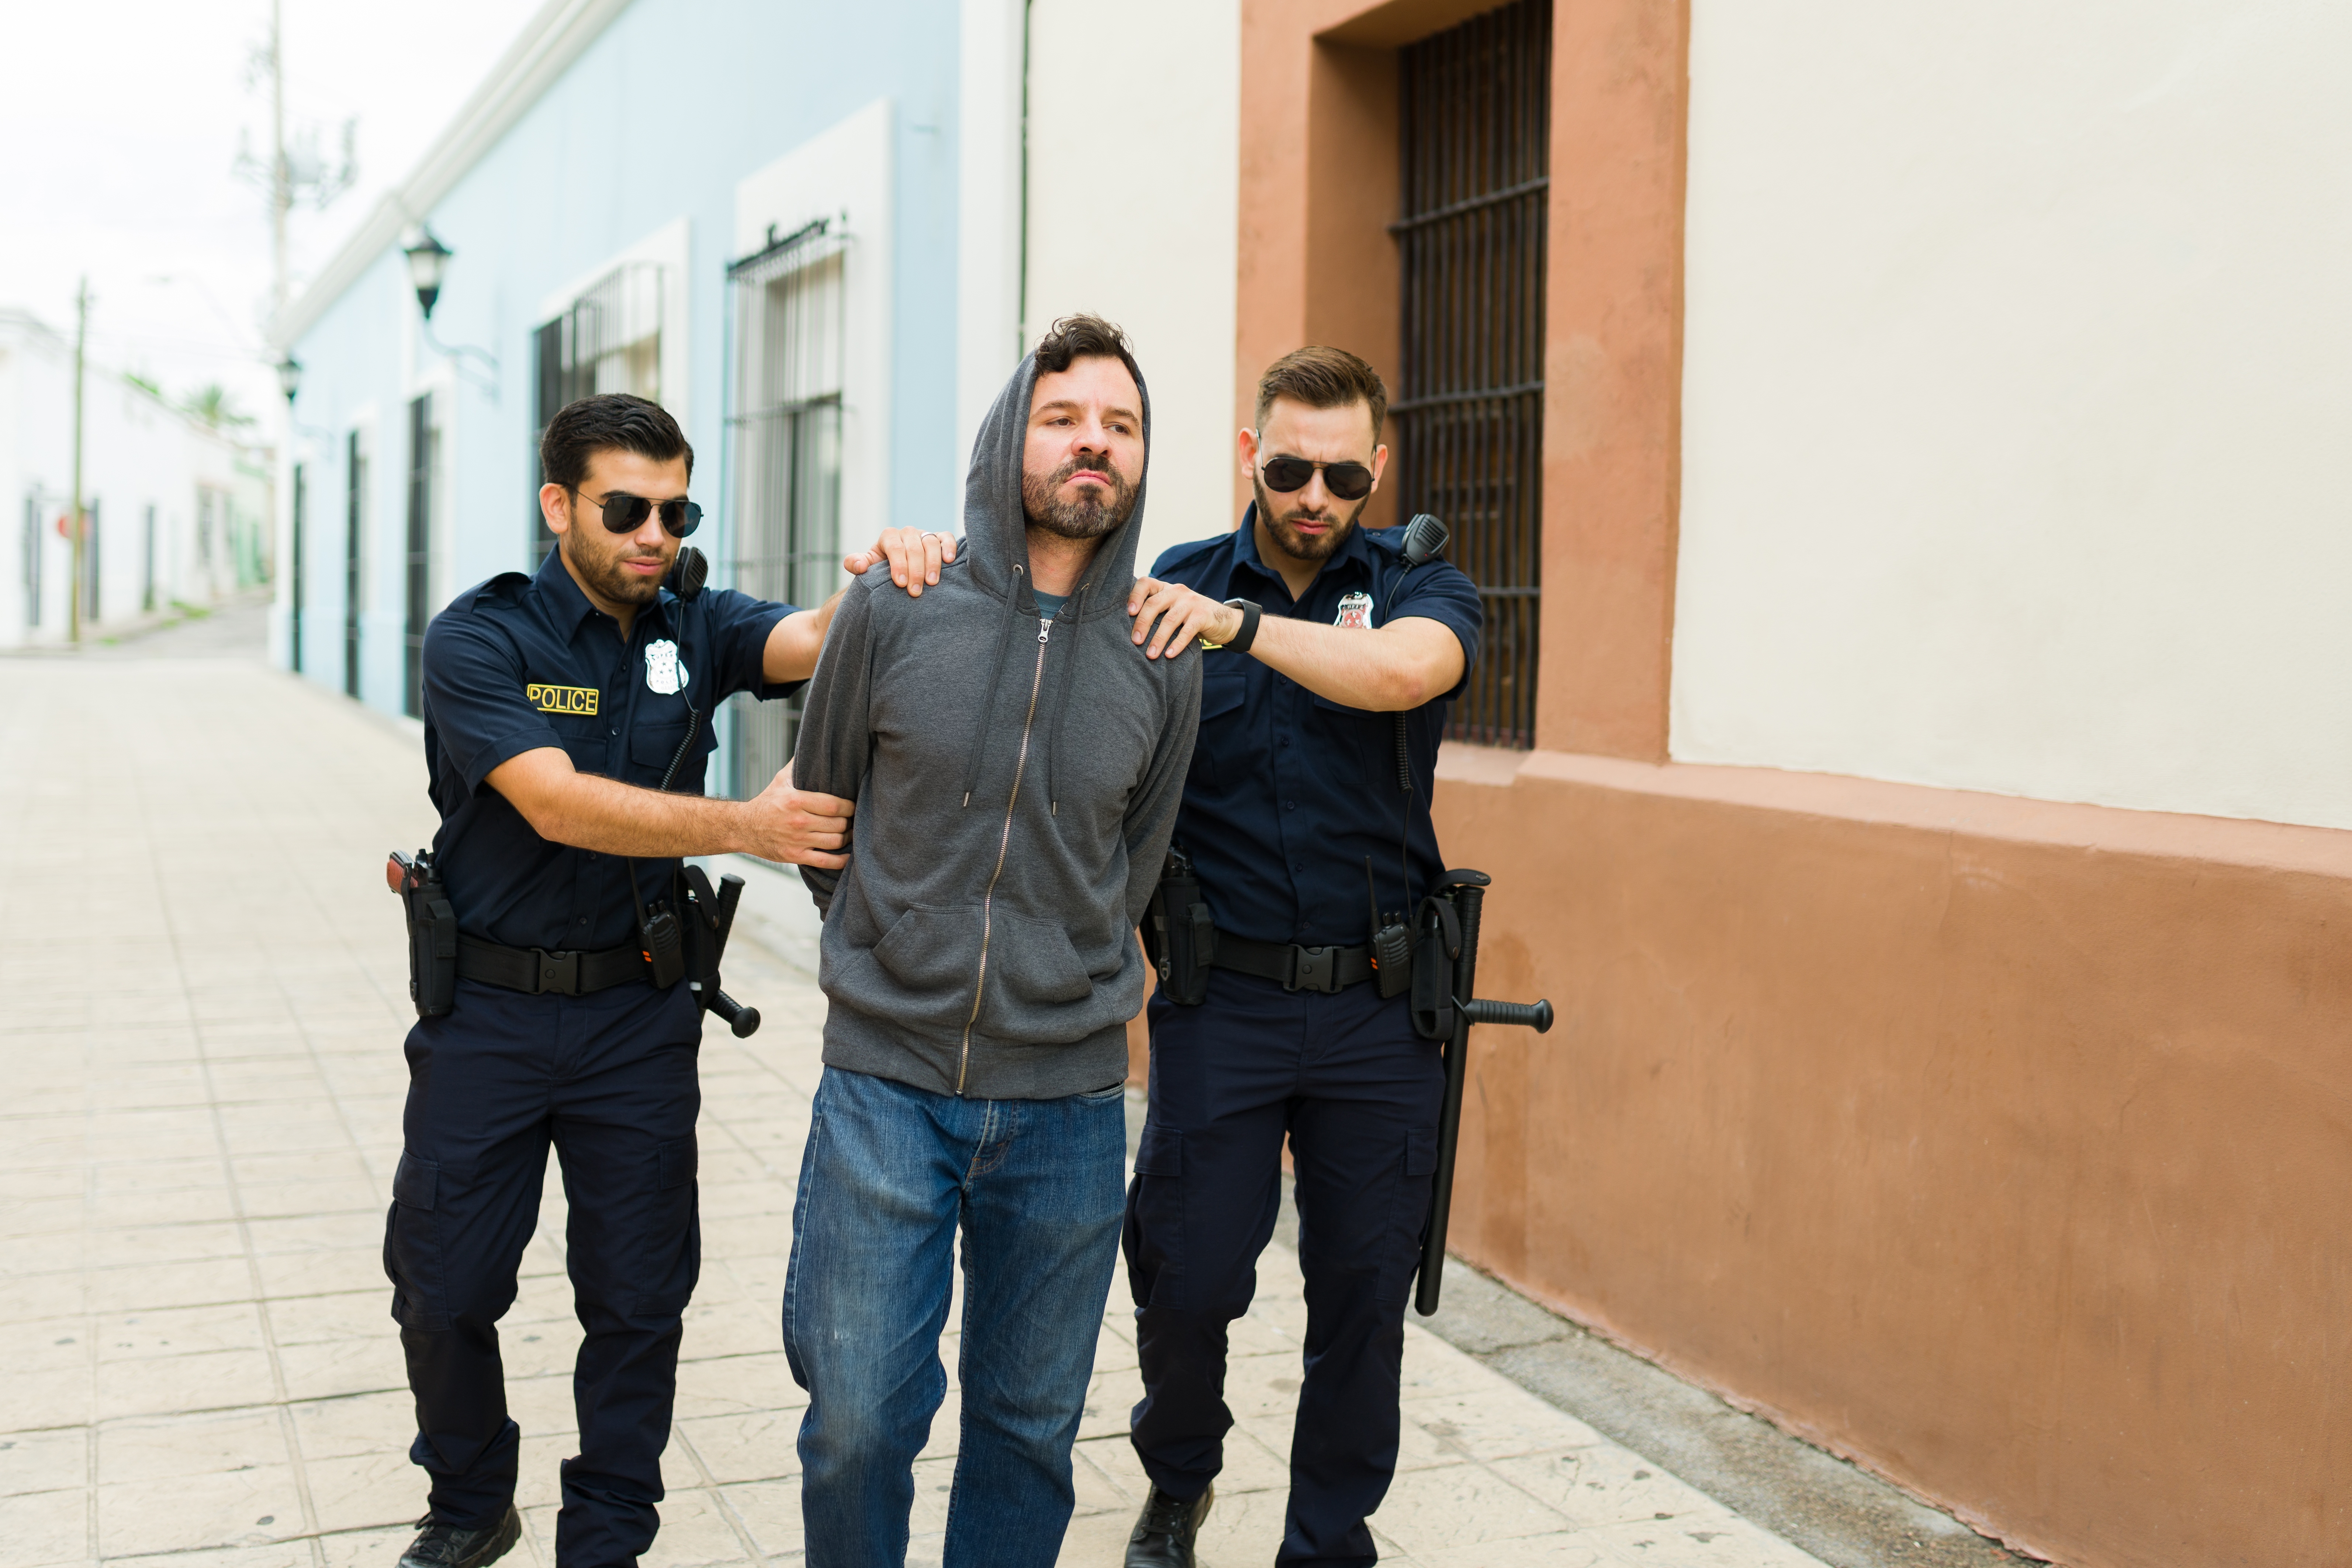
[1477,117]
[784,431]
[607,340]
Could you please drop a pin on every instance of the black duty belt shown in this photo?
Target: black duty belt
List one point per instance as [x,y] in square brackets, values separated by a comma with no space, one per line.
[539,973]
[1329,969]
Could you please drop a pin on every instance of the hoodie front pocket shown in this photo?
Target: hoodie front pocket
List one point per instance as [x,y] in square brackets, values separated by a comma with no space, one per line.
[932,957]
[1034,978]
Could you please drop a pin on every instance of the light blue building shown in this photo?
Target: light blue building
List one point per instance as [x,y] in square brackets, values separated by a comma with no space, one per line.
[794,224]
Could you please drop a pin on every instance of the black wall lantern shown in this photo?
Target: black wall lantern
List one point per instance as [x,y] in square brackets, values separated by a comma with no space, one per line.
[290,377]
[428,258]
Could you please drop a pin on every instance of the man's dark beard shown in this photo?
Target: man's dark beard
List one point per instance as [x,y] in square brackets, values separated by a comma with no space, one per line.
[1088,517]
[1297,546]
[604,573]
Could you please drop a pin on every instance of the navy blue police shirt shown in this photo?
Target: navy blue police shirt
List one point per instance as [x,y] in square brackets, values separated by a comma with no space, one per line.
[522,662]
[1289,791]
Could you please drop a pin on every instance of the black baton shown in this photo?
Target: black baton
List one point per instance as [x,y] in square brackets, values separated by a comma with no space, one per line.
[1467,889]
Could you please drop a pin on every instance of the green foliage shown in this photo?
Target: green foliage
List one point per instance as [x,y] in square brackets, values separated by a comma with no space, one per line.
[213,405]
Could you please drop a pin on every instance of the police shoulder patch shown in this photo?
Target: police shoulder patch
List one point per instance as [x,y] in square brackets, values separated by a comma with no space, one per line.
[561,699]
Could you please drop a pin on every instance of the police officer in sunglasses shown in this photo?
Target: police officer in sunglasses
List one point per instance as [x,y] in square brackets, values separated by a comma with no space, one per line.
[568,719]
[1319,635]
[1300,828]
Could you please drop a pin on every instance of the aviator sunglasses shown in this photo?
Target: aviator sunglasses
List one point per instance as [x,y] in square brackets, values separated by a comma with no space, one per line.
[625,513]
[1348,481]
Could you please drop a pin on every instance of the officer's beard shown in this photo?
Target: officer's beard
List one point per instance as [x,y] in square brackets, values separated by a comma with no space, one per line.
[1091,515]
[601,569]
[1283,526]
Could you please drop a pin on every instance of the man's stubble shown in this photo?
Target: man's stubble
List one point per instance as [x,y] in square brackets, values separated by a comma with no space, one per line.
[1296,546]
[1088,518]
[602,571]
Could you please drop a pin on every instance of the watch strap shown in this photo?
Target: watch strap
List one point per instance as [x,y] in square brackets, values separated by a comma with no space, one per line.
[1248,634]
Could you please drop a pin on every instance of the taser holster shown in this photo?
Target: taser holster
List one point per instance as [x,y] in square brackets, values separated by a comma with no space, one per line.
[432,932]
[1180,937]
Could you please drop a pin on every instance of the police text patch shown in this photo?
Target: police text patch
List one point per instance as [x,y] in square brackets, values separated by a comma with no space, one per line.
[560,698]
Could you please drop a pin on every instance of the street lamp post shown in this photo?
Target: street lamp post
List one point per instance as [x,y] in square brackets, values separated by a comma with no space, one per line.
[290,382]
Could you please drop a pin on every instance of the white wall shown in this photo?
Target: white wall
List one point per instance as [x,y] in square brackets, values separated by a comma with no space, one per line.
[2018,379]
[138,453]
[1133,191]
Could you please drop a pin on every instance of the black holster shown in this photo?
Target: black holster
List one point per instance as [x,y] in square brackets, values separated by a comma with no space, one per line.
[1180,937]
[432,933]
[710,918]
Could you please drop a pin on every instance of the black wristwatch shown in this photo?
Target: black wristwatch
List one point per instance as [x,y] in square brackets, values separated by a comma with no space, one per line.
[1248,634]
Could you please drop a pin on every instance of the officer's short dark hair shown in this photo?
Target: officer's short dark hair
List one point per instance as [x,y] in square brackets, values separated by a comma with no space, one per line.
[1084,336]
[610,421]
[1323,377]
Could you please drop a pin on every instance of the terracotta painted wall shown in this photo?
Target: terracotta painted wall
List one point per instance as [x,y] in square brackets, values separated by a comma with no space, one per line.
[2004,1146]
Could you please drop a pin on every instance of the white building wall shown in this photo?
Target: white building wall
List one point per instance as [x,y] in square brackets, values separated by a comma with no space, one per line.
[138,453]
[2018,374]
[1133,196]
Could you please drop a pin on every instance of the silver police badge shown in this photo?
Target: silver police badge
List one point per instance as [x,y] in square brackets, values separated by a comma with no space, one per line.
[664,675]
[1356,610]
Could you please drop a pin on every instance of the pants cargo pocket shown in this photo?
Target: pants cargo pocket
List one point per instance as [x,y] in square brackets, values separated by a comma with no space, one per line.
[412,1246]
[1409,1213]
[1154,1239]
[677,1213]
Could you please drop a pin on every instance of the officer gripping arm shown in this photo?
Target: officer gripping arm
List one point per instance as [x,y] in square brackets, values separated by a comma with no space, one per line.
[568,732]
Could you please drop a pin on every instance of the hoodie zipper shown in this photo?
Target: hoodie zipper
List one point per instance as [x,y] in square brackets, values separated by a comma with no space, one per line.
[1004,843]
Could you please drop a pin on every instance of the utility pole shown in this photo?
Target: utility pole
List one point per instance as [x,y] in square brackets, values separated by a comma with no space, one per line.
[80,523]
[281,183]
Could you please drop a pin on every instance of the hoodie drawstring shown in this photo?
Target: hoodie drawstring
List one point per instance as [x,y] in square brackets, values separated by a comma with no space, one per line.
[987,704]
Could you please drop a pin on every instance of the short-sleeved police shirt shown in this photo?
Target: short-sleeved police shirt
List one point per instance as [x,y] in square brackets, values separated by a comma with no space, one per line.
[521,663]
[1291,793]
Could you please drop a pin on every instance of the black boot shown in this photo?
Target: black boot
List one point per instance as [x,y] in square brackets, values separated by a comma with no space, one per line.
[446,1546]
[1163,1535]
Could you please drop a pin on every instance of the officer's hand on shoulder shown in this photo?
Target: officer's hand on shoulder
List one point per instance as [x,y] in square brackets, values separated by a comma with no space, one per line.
[798,827]
[1182,614]
[915,557]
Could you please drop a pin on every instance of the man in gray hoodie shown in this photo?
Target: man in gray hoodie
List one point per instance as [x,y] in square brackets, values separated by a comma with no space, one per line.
[1017,763]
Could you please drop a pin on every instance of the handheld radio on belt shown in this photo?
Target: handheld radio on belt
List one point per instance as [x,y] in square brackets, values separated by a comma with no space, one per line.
[682,937]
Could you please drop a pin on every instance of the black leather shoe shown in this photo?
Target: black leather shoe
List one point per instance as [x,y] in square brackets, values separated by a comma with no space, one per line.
[1164,1536]
[446,1546]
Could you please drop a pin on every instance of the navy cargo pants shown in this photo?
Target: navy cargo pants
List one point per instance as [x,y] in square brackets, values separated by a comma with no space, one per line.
[1345,1078]
[609,1082]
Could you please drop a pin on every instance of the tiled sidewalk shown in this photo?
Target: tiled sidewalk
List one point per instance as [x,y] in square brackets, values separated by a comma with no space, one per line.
[202,996]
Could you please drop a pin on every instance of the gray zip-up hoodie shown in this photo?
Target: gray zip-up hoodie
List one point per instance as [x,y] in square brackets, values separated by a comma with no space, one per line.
[1016,783]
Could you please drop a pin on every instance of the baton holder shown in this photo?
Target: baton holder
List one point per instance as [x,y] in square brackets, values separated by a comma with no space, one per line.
[1467,891]
[712,920]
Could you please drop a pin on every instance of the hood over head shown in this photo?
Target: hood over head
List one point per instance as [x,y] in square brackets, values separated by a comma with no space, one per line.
[996,545]
[995,521]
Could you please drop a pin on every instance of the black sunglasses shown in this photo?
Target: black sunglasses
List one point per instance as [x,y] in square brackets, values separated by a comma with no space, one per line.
[1348,481]
[625,513]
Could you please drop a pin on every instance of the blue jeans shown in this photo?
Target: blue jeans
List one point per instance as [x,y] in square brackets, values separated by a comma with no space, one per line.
[890,1172]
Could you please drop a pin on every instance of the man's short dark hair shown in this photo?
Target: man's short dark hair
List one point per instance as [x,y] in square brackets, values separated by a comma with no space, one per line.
[1084,336]
[610,421]
[1323,377]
